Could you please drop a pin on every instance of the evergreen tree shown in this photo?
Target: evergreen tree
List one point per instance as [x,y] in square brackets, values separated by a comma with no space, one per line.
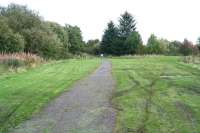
[109,38]
[127,25]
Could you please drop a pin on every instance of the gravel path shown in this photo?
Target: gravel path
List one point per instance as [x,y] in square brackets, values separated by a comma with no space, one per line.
[84,109]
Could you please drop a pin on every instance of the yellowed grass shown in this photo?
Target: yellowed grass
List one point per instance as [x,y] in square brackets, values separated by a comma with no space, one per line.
[28,58]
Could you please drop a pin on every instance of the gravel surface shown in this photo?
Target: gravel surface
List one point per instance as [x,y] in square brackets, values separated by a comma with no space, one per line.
[84,109]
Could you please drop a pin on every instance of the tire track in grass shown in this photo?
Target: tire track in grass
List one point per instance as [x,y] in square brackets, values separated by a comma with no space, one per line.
[148,103]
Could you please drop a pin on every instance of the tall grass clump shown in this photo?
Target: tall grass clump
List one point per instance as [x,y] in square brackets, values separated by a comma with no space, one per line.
[191,59]
[16,60]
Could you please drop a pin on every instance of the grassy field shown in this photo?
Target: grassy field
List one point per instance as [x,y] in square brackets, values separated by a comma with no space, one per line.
[1,69]
[157,95]
[25,93]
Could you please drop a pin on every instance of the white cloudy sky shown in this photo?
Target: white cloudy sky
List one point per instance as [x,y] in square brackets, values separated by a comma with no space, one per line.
[171,19]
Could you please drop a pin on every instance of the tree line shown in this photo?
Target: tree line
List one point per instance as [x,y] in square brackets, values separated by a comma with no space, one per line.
[23,30]
[124,39]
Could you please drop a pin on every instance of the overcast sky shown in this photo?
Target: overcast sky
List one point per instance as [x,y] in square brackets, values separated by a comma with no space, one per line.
[171,19]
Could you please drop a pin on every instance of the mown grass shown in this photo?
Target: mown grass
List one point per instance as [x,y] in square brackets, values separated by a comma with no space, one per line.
[25,93]
[156,95]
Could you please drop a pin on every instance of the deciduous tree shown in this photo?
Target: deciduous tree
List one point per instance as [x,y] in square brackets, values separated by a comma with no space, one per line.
[9,41]
[153,45]
[186,48]
[133,43]
[75,39]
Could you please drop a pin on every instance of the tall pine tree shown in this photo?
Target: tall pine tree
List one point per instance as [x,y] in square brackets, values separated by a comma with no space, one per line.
[121,40]
[127,25]
[109,38]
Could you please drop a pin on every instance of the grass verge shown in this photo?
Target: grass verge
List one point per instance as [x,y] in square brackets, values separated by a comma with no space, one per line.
[25,93]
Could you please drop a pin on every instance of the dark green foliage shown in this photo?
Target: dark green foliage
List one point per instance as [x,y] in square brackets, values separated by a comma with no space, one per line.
[186,48]
[39,39]
[9,41]
[46,44]
[20,17]
[133,43]
[198,43]
[123,40]
[127,25]
[109,38]
[75,39]
[92,47]
[22,29]
[118,47]
[174,48]
[62,36]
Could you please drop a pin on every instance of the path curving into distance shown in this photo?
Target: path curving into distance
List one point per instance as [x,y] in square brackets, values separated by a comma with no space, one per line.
[84,109]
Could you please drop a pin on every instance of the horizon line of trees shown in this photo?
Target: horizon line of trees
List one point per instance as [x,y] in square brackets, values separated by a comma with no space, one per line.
[23,30]
[124,39]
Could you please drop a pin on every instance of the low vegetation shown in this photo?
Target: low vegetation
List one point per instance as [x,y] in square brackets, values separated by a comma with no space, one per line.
[25,93]
[16,60]
[156,95]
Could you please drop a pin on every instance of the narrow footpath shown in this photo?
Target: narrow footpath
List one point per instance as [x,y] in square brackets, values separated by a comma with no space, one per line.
[85,108]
